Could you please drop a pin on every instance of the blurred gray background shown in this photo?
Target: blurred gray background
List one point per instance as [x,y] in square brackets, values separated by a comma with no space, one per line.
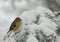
[9,9]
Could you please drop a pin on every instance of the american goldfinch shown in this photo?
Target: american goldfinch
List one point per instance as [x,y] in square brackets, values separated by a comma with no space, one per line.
[16,25]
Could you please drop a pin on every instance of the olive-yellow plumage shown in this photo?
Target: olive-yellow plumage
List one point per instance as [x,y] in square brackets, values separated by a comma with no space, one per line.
[16,25]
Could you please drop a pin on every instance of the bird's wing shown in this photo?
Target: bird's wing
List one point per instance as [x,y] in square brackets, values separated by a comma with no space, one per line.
[15,24]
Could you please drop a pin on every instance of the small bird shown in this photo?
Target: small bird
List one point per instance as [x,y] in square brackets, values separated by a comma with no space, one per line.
[14,28]
[16,25]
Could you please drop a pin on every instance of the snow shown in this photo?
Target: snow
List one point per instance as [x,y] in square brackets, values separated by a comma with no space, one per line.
[33,28]
[28,17]
[9,40]
[32,39]
[44,11]
[45,24]
[44,21]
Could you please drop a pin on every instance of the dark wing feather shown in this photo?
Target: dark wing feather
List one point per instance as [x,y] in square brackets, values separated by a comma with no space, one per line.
[14,24]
